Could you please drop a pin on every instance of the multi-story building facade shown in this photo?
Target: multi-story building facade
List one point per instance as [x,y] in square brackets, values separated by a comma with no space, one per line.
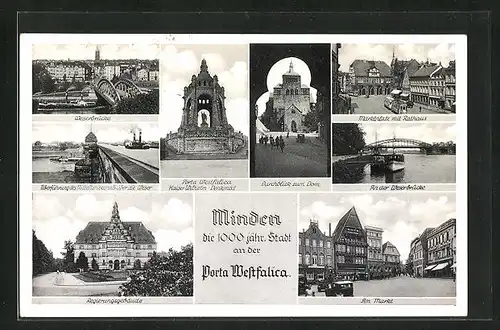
[315,253]
[351,247]
[68,70]
[450,90]
[392,259]
[115,244]
[375,257]
[418,258]
[427,85]
[441,249]
[370,77]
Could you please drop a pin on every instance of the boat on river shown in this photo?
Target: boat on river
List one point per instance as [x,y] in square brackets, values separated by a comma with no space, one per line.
[394,162]
[62,159]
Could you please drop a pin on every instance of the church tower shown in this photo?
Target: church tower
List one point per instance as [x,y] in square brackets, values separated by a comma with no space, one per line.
[97,56]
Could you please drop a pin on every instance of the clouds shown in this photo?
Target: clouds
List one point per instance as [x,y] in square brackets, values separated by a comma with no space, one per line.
[403,216]
[60,217]
[429,133]
[87,51]
[436,53]
[105,132]
[179,63]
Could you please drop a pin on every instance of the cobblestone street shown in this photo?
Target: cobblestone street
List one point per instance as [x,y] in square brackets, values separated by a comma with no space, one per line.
[402,286]
[375,105]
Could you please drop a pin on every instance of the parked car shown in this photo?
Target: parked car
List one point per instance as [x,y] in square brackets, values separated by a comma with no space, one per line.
[321,285]
[301,138]
[340,289]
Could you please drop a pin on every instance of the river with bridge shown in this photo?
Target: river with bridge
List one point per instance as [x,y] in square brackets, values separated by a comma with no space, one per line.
[419,168]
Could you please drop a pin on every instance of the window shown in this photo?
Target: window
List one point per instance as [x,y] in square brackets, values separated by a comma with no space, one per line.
[329,260]
[150,246]
[296,91]
[308,259]
[328,244]
[314,243]
[321,243]
[300,259]
[103,254]
[94,255]
[314,259]
[137,254]
[321,260]
[307,241]
[150,254]
[104,263]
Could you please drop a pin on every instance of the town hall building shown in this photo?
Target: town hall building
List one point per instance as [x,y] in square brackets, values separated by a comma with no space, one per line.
[115,244]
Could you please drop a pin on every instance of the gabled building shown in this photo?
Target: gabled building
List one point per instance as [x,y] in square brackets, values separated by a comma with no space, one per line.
[441,252]
[115,244]
[351,247]
[375,257]
[427,85]
[392,260]
[370,77]
[450,89]
[315,253]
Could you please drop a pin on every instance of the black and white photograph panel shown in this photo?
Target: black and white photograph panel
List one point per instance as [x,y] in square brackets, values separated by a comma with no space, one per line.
[95,79]
[377,245]
[204,111]
[394,153]
[95,153]
[290,101]
[394,78]
[122,244]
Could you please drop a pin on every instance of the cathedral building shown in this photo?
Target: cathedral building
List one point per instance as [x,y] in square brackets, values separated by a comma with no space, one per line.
[291,101]
[115,244]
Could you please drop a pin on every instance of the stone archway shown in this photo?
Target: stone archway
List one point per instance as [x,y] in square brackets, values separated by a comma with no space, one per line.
[293,125]
[110,264]
[363,91]
[116,264]
[122,264]
[372,90]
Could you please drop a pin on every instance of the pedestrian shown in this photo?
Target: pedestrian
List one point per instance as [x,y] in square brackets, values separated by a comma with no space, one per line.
[282,145]
[287,134]
[420,109]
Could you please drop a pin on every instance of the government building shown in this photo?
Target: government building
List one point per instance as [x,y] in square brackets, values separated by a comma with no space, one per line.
[370,77]
[115,244]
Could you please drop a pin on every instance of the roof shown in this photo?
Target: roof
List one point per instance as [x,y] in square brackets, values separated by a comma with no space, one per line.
[350,219]
[389,244]
[295,107]
[92,233]
[361,68]
[91,137]
[426,70]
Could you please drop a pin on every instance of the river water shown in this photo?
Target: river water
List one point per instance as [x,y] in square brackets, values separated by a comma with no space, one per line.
[419,168]
[46,165]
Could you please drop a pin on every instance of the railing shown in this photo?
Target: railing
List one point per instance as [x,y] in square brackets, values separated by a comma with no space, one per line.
[120,168]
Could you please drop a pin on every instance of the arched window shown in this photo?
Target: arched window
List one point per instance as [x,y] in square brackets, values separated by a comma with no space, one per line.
[296,91]
[329,260]
[308,258]
[315,259]
[321,259]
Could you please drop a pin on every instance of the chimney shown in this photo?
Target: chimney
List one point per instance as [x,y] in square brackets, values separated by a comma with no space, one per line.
[330,229]
[140,137]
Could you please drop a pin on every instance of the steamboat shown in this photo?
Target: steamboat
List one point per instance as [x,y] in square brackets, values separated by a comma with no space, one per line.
[136,144]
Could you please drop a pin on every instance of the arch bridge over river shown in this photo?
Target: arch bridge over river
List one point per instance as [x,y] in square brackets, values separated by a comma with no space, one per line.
[397,143]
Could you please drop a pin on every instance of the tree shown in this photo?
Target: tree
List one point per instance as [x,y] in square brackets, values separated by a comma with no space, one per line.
[409,266]
[63,146]
[94,264]
[141,104]
[41,81]
[348,138]
[137,264]
[42,258]
[69,257]
[311,120]
[82,262]
[170,275]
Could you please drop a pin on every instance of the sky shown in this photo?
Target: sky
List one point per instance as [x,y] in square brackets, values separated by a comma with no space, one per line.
[229,62]
[58,217]
[87,51]
[383,52]
[275,77]
[105,132]
[429,133]
[402,216]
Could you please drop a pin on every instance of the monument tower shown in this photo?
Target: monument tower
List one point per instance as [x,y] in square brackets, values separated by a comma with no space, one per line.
[204,127]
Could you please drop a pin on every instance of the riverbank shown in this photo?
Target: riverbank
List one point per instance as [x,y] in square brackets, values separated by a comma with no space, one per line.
[349,168]
[54,177]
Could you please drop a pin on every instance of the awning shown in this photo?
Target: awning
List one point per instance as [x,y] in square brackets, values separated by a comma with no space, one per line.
[440,266]
[405,95]
[396,92]
[454,266]
[429,267]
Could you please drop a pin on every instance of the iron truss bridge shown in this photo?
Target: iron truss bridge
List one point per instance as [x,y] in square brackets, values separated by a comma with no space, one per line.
[397,143]
[112,94]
